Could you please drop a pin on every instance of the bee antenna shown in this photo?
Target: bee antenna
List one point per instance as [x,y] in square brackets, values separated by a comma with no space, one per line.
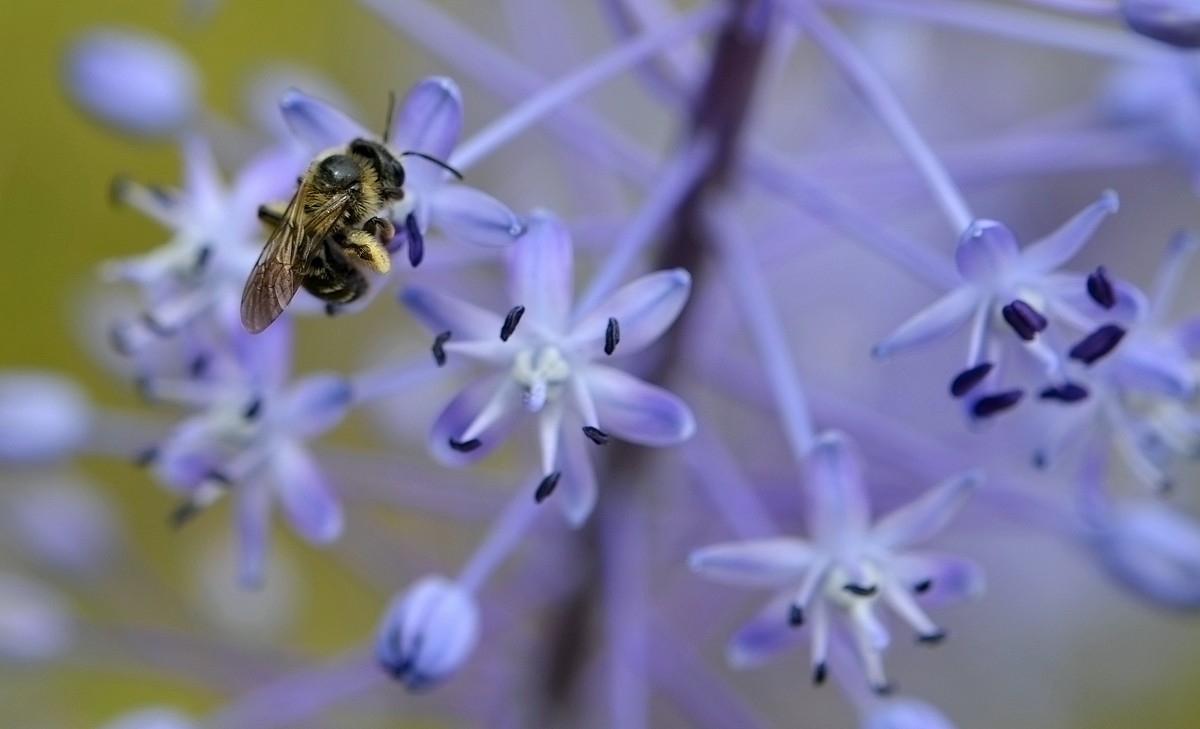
[434,160]
[391,113]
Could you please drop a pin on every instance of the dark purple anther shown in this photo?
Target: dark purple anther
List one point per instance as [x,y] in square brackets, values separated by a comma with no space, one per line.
[612,335]
[465,446]
[439,352]
[416,241]
[968,379]
[1100,288]
[1066,392]
[597,436]
[546,487]
[986,407]
[511,320]
[1024,319]
[1097,344]
[795,615]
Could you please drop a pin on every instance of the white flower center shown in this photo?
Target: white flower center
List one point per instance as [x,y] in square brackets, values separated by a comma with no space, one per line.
[848,591]
[541,371]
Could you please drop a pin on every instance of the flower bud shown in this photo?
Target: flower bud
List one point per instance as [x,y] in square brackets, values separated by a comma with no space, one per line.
[42,417]
[1155,551]
[157,717]
[428,632]
[1174,22]
[905,714]
[35,623]
[134,82]
[62,523]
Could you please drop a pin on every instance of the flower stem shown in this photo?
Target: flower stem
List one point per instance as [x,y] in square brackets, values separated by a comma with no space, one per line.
[1023,25]
[570,87]
[506,532]
[626,613]
[867,80]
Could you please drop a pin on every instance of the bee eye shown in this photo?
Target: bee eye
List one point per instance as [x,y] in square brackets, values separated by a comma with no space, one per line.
[338,170]
[397,172]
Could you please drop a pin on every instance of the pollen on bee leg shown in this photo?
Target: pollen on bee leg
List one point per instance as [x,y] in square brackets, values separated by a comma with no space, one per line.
[366,248]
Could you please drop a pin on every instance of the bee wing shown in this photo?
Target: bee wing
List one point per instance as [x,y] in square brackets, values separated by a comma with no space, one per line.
[285,259]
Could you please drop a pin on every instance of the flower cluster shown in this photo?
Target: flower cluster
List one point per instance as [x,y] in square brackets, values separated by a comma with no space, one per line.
[719,344]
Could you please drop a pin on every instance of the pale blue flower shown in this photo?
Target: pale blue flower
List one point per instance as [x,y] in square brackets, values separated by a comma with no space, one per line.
[43,417]
[549,361]
[1003,287]
[248,437]
[846,567]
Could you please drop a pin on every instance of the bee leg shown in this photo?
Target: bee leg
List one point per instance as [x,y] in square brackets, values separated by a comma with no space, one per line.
[381,228]
[272,215]
[366,247]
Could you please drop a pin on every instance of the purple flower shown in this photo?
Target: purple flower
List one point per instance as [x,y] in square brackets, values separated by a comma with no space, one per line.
[905,714]
[248,437]
[847,566]
[427,122]
[35,622]
[1003,288]
[547,361]
[215,239]
[1152,549]
[428,632]
[1140,386]
[135,82]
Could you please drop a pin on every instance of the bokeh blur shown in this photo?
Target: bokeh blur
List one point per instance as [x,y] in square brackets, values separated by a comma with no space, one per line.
[168,597]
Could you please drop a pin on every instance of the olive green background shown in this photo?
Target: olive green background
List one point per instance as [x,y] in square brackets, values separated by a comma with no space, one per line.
[56,225]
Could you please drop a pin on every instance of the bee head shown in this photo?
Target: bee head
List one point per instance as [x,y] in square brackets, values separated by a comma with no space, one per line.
[391,172]
[338,171]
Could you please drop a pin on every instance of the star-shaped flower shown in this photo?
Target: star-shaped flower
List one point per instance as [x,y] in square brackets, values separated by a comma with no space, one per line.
[1003,287]
[248,438]
[548,361]
[846,567]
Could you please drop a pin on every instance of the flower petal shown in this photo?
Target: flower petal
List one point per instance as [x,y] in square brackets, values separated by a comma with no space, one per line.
[497,390]
[920,519]
[441,313]
[134,82]
[939,319]
[643,310]
[766,635]
[838,506]
[317,124]
[309,503]
[429,119]
[776,562]
[1061,246]
[315,404]
[465,214]
[577,491]
[939,579]
[252,507]
[985,250]
[905,714]
[637,411]
[1143,367]
[540,273]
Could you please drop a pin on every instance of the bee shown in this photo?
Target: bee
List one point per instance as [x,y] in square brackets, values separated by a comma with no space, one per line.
[330,231]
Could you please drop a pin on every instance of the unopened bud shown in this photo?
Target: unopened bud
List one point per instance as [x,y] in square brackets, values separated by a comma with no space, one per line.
[905,714]
[42,417]
[1174,22]
[1155,551]
[428,632]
